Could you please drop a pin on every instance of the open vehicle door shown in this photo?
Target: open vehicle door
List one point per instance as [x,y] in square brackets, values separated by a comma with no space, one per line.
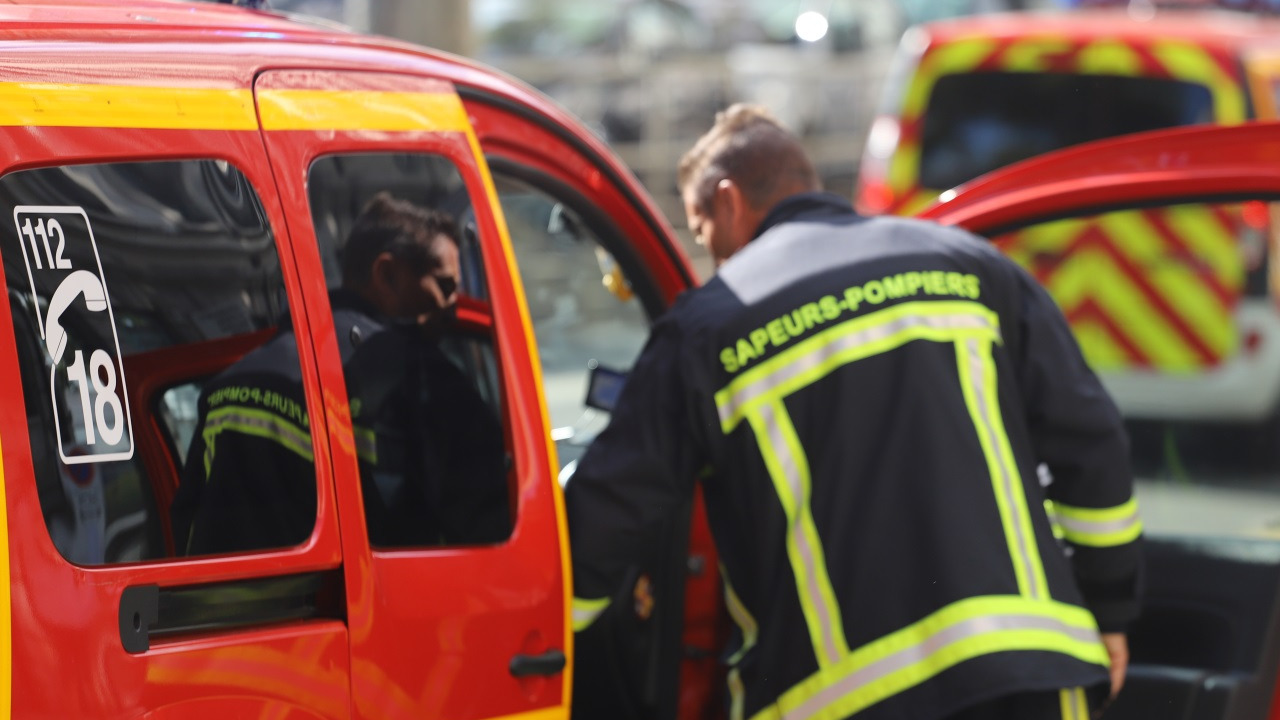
[598,264]
[1160,250]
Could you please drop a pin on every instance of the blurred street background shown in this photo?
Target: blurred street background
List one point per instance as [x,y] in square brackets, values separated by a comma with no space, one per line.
[649,75]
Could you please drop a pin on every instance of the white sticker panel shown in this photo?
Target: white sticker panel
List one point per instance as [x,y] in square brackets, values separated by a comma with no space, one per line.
[86,381]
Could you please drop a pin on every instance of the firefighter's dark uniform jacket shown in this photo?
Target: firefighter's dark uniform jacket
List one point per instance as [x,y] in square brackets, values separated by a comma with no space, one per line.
[868,403]
[431,452]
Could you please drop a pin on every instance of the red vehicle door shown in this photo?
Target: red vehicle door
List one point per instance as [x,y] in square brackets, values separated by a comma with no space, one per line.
[444,624]
[1191,230]
[599,263]
[146,250]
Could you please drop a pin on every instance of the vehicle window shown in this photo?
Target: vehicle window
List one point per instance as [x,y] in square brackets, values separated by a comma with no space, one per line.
[120,277]
[977,122]
[586,312]
[410,305]
[1171,308]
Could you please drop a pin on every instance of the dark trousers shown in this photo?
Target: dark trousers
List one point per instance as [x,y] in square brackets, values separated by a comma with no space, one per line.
[1069,704]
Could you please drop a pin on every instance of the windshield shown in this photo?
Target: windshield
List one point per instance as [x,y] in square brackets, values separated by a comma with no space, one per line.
[977,122]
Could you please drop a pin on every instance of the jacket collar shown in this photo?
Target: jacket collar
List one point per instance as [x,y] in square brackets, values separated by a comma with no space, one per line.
[804,205]
[346,299]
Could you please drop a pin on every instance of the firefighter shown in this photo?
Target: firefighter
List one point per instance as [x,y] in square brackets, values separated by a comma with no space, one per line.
[880,411]
[431,454]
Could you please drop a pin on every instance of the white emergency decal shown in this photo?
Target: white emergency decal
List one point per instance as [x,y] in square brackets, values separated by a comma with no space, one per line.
[86,381]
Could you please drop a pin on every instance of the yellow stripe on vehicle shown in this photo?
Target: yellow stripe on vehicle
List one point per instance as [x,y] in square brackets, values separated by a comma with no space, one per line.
[1033,54]
[1108,57]
[125,106]
[1212,243]
[964,53]
[1192,63]
[361,110]
[516,284]
[918,201]
[559,712]
[1091,275]
[1179,274]
[1179,271]
[903,174]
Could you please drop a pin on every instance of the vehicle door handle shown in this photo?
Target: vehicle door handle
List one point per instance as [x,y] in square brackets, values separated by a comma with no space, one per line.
[548,663]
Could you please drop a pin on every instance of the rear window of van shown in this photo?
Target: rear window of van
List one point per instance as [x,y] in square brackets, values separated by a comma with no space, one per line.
[977,122]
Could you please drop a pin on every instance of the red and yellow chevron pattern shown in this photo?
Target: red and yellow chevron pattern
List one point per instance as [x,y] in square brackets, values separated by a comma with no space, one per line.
[1154,288]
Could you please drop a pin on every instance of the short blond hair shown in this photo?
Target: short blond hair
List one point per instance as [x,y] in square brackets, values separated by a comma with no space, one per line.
[750,146]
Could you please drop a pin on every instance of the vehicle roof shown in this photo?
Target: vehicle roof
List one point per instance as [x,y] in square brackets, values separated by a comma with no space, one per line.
[1211,27]
[204,26]
[133,13]
[178,43]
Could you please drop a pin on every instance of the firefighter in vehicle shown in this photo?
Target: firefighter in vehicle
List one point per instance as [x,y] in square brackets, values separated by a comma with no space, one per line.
[432,455]
[878,410]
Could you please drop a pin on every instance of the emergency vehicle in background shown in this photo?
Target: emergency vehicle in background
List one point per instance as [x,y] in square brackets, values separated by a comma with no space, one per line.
[969,96]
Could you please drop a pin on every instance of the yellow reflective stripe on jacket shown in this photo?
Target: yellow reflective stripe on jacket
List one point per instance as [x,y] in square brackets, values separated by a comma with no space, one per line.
[789,470]
[1099,527]
[758,396]
[750,633]
[586,611]
[256,422]
[963,630]
[978,382]
[737,694]
[1073,703]
[851,340]
[366,443]
[741,616]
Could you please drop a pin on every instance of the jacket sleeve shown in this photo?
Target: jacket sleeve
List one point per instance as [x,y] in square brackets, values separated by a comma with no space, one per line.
[633,477]
[1078,433]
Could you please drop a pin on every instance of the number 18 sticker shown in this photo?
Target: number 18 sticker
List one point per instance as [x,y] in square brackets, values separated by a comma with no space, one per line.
[86,380]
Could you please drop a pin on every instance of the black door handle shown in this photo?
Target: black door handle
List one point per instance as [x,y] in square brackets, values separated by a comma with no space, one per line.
[548,663]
